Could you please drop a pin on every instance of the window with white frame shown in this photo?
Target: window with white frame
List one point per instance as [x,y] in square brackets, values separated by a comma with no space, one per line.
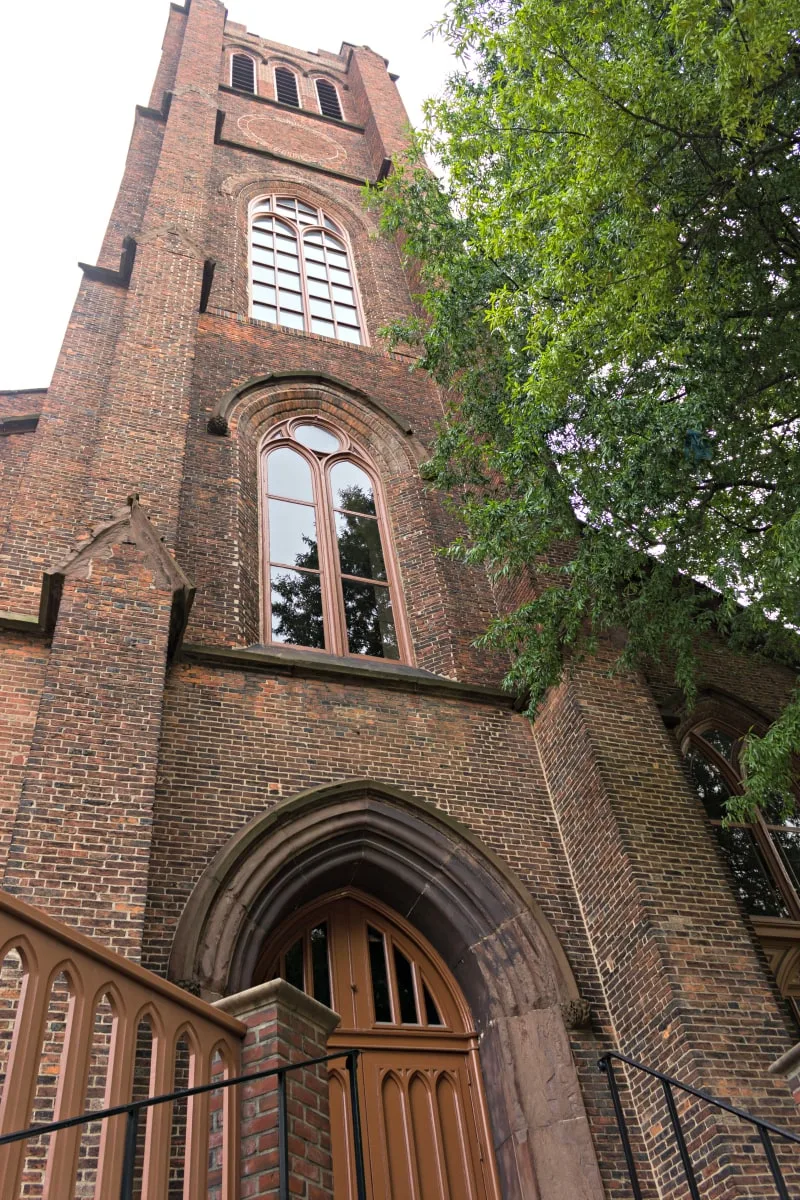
[243,73]
[301,274]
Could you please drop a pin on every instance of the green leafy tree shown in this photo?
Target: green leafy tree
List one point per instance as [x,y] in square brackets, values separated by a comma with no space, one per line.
[609,281]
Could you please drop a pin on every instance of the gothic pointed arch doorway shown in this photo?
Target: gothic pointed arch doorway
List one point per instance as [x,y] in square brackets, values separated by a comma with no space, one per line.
[423,1108]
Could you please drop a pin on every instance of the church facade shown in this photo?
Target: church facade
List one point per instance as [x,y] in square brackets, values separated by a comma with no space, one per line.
[246,733]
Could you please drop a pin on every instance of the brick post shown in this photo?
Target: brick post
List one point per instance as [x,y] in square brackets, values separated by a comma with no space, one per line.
[284,1026]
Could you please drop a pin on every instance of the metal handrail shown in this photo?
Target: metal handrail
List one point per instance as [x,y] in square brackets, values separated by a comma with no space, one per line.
[133,1109]
[765,1128]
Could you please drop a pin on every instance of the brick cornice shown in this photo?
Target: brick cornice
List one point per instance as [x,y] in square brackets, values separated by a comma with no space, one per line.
[312,665]
[289,108]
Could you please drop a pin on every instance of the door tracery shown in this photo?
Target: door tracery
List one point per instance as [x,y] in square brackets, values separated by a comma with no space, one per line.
[424,1114]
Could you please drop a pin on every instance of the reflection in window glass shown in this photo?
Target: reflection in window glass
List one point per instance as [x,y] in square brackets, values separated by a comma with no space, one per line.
[360,551]
[405,989]
[297,608]
[369,618]
[289,475]
[293,965]
[292,534]
[752,881]
[380,976]
[721,741]
[711,787]
[317,438]
[431,1011]
[319,963]
[352,488]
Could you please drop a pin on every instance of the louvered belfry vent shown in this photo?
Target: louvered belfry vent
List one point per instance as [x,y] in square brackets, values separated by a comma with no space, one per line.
[243,73]
[328,100]
[286,87]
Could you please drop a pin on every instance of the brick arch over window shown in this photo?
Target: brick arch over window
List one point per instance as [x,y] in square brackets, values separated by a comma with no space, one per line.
[471,908]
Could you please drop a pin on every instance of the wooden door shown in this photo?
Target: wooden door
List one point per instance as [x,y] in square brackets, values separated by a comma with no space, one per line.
[426,1133]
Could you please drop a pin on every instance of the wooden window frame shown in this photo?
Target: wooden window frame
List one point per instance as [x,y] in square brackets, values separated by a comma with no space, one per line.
[300,231]
[289,71]
[324,79]
[760,828]
[244,54]
[333,612]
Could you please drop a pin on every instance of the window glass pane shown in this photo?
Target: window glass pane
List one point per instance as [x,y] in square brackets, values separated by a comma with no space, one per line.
[323,327]
[317,287]
[263,293]
[262,313]
[380,977]
[297,608]
[369,619]
[788,841]
[344,295]
[333,244]
[352,488]
[329,224]
[319,963]
[292,319]
[286,262]
[314,238]
[286,202]
[289,475]
[722,742]
[264,205]
[405,989]
[709,784]
[321,308]
[347,315]
[347,334]
[316,438]
[342,277]
[431,1011]
[314,254]
[293,965]
[266,257]
[316,270]
[289,280]
[752,881]
[360,551]
[265,275]
[293,534]
[337,260]
[291,300]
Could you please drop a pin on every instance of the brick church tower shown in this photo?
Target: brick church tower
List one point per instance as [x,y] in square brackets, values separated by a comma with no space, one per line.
[246,734]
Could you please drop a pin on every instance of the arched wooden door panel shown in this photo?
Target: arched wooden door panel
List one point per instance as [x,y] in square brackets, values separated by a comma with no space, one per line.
[423,1110]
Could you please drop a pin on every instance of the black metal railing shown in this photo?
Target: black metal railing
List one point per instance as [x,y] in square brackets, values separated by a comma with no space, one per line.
[766,1130]
[135,1107]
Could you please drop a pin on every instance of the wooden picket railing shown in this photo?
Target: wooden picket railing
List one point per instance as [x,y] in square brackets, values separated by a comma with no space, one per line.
[50,960]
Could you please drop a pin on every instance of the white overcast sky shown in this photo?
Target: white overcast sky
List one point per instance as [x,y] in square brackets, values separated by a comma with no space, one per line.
[71,76]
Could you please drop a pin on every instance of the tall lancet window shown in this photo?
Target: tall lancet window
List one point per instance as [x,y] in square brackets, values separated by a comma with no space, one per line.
[331,583]
[301,270]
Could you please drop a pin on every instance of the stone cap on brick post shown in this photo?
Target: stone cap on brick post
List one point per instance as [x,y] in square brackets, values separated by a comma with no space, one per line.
[788,1065]
[284,1026]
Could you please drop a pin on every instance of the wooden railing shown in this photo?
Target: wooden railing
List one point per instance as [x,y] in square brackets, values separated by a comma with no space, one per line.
[85,1028]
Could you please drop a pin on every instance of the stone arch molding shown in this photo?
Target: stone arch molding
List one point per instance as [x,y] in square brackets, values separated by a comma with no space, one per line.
[465,900]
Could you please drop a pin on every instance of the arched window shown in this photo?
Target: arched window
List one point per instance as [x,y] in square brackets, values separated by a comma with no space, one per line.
[328,99]
[764,857]
[243,73]
[301,275]
[286,87]
[331,583]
